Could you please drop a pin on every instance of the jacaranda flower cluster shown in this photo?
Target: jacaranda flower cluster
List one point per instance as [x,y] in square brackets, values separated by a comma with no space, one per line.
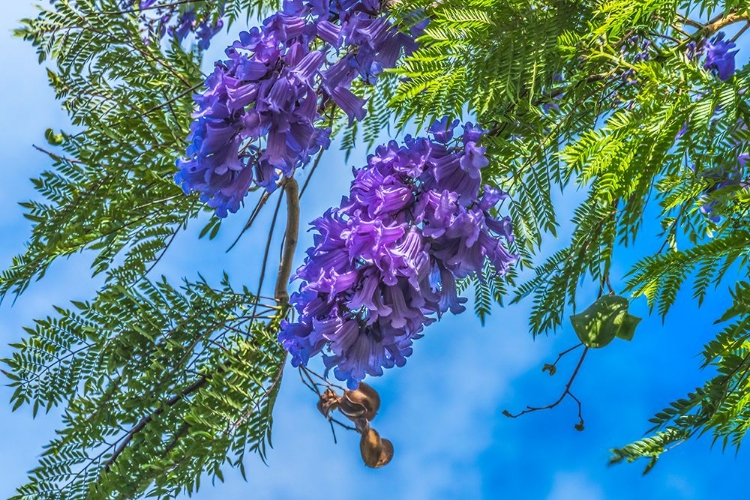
[385,262]
[260,115]
[159,17]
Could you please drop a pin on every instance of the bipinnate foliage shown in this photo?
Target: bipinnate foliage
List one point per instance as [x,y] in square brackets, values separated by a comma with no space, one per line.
[605,97]
[159,385]
[602,104]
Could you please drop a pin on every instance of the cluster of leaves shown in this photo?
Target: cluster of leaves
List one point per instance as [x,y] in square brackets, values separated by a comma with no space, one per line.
[720,406]
[158,384]
[111,188]
[497,61]
[161,385]
[570,108]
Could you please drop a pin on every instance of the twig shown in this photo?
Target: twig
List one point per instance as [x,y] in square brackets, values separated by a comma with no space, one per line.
[308,382]
[324,380]
[609,284]
[566,392]
[689,22]
[267,250]
[55,156]
[254,215]
[560,356]
[345,426]
[310,173]
[723,22]
[147,419]
[143,9]
[173,99]
[741,32]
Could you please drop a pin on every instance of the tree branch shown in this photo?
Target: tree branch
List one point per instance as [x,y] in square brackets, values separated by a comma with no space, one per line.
[290,240]
[147,419]
[725,21]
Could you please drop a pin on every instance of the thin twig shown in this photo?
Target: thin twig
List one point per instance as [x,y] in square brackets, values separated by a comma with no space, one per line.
[55,156]
[311,172]
[268,249]
[144,9]
[254,215]
[741,32]
[345,426]
[147,419]
[566,391]
[566,351]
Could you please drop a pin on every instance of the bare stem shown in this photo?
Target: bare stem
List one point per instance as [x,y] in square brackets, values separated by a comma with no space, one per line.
[566,391]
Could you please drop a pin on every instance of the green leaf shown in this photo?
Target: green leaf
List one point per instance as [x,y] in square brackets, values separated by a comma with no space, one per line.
[604,320]
[53,138]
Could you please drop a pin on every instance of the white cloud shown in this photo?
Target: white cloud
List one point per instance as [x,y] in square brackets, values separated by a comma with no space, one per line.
[574,486]
[682,486]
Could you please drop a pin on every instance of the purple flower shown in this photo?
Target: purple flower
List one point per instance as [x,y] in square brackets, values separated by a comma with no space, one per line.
[550,105]
[472,133]
[205,32]
[185,24]
[742,159]
[442,130]
[258,118]
[473,160]
[385,262]
[720,57]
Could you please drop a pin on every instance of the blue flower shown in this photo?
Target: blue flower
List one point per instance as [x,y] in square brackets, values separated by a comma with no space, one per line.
[720,57]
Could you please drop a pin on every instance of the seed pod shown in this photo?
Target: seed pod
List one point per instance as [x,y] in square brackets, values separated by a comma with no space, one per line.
[328,402]
[386,454]
[363,397]
[351,410]
[371,447]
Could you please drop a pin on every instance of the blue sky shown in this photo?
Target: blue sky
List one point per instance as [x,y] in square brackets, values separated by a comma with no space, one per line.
[442,411]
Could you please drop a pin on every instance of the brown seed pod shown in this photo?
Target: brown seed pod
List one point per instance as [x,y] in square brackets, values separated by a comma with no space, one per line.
[371,447]
[350,409]
[328,402]
[364,402]
[386,454]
